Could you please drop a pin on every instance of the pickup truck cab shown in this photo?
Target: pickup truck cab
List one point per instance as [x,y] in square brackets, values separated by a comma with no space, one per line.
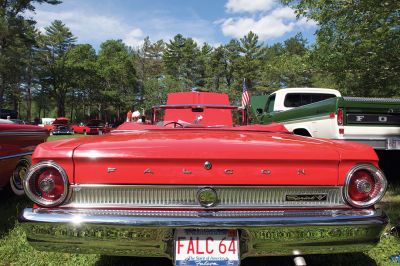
[324,113]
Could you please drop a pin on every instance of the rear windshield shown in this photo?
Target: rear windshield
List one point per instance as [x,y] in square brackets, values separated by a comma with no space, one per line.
[299,99]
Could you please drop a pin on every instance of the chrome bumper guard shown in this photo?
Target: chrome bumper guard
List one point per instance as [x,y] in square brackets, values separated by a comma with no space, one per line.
[151,233]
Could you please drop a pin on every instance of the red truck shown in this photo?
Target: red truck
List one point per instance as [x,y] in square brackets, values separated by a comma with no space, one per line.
[195,186]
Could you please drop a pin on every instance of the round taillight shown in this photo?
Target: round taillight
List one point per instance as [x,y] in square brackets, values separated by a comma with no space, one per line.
[365,185]
[46,184]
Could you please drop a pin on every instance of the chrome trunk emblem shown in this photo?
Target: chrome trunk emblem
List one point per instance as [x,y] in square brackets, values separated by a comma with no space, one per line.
[307,197]
[186,172]
[111,169]
[265,171]
[148,171]
[301,172]
[207,165]
[228,171]
[207,197]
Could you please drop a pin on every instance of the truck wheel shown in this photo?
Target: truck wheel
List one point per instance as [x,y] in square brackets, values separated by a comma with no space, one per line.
[302,132]
[17,178]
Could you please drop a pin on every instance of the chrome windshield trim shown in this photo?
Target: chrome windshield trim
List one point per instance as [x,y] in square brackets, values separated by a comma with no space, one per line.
[185,196]
[15,155]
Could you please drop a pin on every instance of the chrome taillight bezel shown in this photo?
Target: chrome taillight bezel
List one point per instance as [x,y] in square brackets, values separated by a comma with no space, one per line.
[33,171]
[377,175]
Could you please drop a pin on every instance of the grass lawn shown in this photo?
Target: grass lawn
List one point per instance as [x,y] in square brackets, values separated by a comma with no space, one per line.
[14,249]
[58,137]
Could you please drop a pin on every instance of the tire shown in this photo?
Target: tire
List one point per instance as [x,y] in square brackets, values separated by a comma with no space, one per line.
[18,175]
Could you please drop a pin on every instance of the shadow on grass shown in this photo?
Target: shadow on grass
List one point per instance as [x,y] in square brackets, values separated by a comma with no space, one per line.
[351,259]
[10,206]
[391,203]
[135,261]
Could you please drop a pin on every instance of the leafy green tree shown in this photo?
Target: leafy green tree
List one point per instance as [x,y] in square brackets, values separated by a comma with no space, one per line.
[250,62]
[149,66]
[286,65]
[181,61]
[55,76]
[81,62]
[358,43]
[118,77]
[15,39]
[232,63]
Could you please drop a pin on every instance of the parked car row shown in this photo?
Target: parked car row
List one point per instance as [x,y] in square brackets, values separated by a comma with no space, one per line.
[61,126]
[199,188]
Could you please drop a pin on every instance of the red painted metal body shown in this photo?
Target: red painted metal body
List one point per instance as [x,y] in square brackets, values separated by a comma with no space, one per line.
[239,154]
[17,141]
[128,192]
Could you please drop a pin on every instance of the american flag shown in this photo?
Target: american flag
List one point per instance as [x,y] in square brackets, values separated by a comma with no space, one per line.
[245,95]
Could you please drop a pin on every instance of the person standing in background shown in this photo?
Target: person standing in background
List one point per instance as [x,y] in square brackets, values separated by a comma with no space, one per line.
[129,116]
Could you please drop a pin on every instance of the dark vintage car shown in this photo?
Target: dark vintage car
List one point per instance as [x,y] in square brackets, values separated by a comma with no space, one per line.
[92,127]
[200,190]
[17,143]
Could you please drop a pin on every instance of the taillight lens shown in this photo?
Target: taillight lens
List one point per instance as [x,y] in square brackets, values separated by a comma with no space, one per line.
[365,185]
[340,117]
[46,184]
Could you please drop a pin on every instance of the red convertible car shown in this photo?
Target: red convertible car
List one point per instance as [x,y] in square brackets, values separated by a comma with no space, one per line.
[93,127]
[199,190]
[17,143]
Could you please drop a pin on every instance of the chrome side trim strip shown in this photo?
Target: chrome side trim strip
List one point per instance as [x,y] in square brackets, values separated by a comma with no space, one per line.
[185,196]
[15,155]
[23,133]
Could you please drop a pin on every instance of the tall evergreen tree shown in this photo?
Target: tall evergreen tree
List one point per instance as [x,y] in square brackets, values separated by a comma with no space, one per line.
[15,37]
[55,76]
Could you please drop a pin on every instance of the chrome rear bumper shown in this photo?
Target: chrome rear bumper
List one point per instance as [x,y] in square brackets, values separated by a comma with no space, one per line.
[151,233]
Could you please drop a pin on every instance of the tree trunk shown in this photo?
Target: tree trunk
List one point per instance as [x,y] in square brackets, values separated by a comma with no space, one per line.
[99,110]
[2,88]
[28,103]
[61,106]
[72,112]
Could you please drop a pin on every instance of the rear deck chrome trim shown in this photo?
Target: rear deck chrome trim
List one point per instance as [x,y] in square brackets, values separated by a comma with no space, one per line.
[184,196]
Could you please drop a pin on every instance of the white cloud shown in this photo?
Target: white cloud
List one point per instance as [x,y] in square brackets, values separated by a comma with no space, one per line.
[134,38]
[235,6]
[95,28]
[273,25]
[91,28]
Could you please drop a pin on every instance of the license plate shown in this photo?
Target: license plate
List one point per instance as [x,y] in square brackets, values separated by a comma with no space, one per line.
[393,144]
[206,247]
[100,132]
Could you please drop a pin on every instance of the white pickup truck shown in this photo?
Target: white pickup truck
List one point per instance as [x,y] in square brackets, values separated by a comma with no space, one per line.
[324,113]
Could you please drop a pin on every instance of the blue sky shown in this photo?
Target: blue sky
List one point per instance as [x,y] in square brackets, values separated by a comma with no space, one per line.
[211,21]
